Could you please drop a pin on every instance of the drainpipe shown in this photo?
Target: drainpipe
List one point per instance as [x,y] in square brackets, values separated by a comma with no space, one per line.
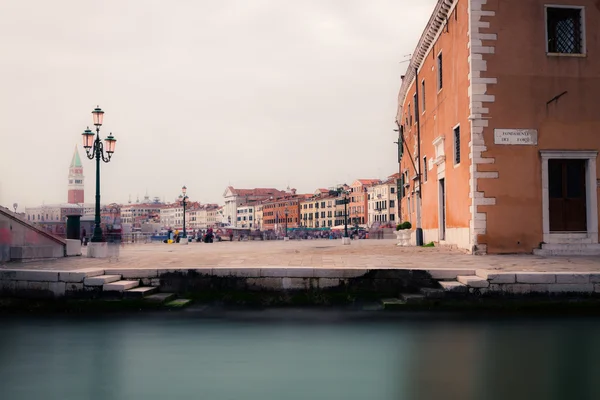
[419,231]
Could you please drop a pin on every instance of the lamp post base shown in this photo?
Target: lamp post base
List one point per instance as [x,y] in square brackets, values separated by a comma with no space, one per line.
[97,250]
[286,238]
[346,241]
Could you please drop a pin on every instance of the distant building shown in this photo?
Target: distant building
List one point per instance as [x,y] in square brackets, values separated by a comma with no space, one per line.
[382,199]
[140,213]
[76,180]
[245,216]
[318,211]
[357,208]
[236,197]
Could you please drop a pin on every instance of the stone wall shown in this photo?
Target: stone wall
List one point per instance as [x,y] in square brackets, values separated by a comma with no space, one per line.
[17,233]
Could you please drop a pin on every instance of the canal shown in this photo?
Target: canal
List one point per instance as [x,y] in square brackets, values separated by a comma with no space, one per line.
[298,354]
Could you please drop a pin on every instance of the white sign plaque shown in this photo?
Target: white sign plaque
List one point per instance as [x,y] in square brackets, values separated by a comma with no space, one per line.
[516,136]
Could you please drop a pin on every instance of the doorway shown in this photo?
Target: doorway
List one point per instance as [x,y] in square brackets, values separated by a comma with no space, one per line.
[567,195]
[442,208]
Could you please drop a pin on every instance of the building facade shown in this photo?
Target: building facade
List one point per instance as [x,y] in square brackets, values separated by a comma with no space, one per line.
[382,203]
[274,213]
[139,213]
[236,197]
[245,216]
[503,101]
[358,206]
[318,211]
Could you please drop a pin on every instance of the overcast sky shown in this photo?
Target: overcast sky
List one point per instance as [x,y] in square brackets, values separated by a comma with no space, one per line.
[260,93]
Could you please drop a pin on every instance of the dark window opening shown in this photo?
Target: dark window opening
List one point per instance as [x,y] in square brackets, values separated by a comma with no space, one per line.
[565,30]
[457,145]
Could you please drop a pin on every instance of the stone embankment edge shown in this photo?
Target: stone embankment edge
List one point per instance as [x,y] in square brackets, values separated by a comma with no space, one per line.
[57,284]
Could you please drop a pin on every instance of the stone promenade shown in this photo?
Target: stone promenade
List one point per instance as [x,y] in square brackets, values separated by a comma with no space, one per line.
[330,254]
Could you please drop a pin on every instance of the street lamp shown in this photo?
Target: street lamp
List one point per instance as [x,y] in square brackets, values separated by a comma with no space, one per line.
[345,201]
[286,212]
[184,202]
[94,148]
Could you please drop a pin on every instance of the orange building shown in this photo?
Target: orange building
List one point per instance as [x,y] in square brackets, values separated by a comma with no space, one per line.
[503,99]
[358,213]
[274,213]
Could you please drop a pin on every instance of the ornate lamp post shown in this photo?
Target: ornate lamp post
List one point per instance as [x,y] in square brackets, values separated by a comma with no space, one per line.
[286,212]
[94,148]
[184,202]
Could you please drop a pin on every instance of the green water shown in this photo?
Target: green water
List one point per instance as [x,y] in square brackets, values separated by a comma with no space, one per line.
[298,354]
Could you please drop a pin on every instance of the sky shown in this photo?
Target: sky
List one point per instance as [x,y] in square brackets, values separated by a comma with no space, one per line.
[202,93]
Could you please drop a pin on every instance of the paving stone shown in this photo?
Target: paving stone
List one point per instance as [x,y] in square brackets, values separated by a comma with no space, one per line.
[40,276]
[496,276]
[160,297]
[571,277]
[139,292]
[325,283]
[448,273]
[39,286]
[433,293]
[393,304]
[237,272]
[517,288]
[412,298]
[339,272]
[178,303]
[57,288]
[134,273]
[535,277]
[571,288]
[473,281]
[454,286]
[295,283]
[119,286]
[155,282]
[73,287]
[594,278]
[101,280]
[597,288]
[287,272]
[78,276]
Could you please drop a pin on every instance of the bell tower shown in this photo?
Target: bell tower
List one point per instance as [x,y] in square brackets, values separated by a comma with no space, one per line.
[76,187]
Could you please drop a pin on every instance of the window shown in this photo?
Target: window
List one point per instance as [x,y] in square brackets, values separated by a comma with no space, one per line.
[457,145]
[424,169]
[416,106]
[423,96]
[409,115]
[392,190]
[439,72]
[565,30]
[392,217]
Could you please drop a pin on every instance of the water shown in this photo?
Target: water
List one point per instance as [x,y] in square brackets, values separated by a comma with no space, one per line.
[298,354]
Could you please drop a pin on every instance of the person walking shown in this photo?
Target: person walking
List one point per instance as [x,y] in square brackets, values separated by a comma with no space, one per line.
[83,240]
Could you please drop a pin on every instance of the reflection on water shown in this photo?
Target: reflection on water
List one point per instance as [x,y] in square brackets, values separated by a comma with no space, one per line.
[317,355]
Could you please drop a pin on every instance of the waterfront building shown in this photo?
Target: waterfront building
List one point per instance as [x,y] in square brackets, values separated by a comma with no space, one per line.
[497,111]
[236,197]
[382,203]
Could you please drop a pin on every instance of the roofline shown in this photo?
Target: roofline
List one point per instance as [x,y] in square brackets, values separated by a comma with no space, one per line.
[433,27]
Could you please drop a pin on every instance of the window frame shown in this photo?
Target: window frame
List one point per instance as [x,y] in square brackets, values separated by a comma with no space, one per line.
[583,52]
[440,71]
[455,153]
[423,96]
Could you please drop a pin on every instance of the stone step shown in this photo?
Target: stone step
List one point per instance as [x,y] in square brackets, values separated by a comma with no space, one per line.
[454,287]
[392,304]
[568,249]
[119,286]
[179,303]
[161,297]
[140,292]
[473,281]
[100,280]
[412,298]
[433,293]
